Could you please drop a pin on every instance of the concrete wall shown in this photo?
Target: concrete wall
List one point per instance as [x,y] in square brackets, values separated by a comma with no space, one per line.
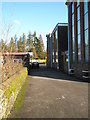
[9,91]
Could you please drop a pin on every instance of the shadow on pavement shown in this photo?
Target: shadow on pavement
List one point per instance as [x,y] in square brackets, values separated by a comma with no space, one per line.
[43,71]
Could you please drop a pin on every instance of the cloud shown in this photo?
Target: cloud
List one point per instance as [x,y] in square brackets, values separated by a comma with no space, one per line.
[17,22]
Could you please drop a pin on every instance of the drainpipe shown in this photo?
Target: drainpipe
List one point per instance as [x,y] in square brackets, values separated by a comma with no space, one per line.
[68,45]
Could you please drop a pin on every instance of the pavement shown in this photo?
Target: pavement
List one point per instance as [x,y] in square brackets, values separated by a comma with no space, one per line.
[53,94]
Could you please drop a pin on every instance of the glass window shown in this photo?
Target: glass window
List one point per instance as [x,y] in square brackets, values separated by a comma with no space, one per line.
[79,40]
[56,57]
[79,48]
[73,39]
[86,21]
[86,45]
[56,35]
[78,13]
[53,55]
[72,19]
[78,32]
[86,31]
[86,37]
[72,31]
[73,44]
[72,7]
[78,27]
[73,48]
[78,3]
[53,38]
[85,7]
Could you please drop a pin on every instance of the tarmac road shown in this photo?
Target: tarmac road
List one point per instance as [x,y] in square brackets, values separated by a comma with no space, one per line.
[53,94]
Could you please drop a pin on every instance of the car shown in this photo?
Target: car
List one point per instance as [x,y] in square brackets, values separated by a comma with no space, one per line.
[35,63]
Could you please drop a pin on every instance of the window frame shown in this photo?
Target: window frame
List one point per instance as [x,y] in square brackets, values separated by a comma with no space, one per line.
[86,30]
[79,56]
[73,36]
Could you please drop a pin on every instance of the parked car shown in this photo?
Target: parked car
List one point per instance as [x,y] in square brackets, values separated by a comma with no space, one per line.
[35,63]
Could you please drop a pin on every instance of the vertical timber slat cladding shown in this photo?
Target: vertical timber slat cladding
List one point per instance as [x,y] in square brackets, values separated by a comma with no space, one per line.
[59,44]
[81,62]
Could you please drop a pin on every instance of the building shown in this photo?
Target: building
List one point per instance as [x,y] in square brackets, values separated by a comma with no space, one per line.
[79,38]
[18,57]
[57,42]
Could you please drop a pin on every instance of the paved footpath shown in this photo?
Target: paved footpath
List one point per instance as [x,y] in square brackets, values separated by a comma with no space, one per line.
[52,94]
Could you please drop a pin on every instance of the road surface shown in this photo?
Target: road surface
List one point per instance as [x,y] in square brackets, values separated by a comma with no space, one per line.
[53,94]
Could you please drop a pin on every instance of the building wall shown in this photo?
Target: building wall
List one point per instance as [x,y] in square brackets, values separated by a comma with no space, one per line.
[59,44]
[48,51]
[56,44]
[54,49]
[76,65]
[62,44]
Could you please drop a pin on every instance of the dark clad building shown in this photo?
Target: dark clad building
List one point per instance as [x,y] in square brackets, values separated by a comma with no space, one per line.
[79,38]
[57,42]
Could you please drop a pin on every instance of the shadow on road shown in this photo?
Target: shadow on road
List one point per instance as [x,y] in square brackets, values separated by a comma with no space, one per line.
[45,72]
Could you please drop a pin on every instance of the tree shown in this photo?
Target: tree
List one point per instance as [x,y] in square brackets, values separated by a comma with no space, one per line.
[41,40]
[19,45]
[34,39]
[15,43]
[11,45]
[23,43]
[34,53]
[3,46]
[38,48]
[29,42]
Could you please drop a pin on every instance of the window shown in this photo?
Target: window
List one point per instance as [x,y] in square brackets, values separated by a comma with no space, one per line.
[86,31]
[72,7]
[79,48]
[85,7]
[78,13]
[78,3]
[78,32]
[56,35]
[56,57]
[53,39]
[53,55]
[73,38]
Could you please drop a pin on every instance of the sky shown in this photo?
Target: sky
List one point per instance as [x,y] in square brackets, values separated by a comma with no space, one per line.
[32,16]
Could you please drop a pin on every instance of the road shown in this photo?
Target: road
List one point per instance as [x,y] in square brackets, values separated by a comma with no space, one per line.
[53,94]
